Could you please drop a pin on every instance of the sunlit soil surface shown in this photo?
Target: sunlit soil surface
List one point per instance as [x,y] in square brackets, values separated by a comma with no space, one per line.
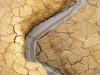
[74,45]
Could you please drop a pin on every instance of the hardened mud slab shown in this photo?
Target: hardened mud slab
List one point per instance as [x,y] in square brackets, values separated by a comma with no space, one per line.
[74,45]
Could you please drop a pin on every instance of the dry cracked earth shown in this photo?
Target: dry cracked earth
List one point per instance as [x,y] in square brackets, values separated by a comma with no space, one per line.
[74,45]
[17,17]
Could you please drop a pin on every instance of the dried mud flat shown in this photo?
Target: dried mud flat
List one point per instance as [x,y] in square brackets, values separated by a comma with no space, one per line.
[17,17]
[74,45]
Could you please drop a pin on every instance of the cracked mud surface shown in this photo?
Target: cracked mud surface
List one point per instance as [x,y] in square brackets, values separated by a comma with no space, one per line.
[17,17]
[74,45]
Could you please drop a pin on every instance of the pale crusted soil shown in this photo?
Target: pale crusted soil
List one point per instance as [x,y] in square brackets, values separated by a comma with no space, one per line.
[74,45]
[17,17]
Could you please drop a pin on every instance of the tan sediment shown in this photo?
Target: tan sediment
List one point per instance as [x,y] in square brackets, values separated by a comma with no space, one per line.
[74,45]
[17,17]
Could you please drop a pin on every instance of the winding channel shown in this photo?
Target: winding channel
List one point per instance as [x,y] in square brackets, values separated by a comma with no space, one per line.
[42,28]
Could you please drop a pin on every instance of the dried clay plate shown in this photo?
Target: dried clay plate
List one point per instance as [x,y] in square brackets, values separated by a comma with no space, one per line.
[44,27]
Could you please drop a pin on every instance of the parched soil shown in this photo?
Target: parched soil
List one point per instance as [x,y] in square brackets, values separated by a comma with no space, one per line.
[17,17]
[74,45]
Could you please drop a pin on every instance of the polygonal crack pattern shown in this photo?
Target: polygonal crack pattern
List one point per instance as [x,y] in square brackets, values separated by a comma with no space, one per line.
[17,17]
[74,45]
